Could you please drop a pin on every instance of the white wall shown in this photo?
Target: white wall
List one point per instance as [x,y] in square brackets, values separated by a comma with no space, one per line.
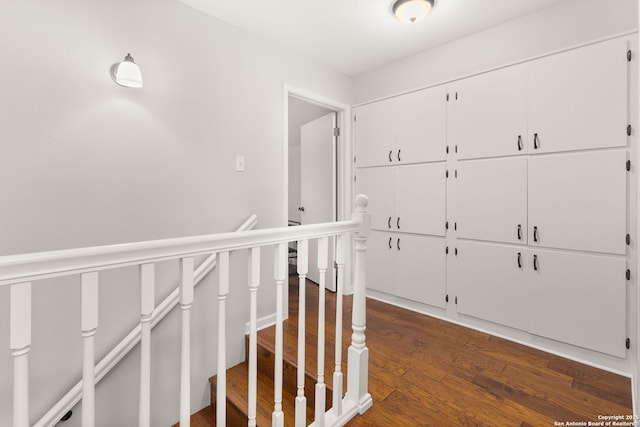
[565,25]
[86,162]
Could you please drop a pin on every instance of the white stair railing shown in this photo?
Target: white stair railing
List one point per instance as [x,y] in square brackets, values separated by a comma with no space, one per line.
[20,271]
[120,350]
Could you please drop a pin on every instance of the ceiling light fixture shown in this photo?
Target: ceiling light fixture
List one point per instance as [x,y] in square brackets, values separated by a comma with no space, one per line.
[127,73]
[411,11]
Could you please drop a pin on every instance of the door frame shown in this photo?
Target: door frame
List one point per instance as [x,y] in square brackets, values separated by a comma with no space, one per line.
[344,169]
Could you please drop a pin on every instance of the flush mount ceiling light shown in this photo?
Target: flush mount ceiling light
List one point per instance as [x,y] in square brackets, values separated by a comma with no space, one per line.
[126,73]
[411,11]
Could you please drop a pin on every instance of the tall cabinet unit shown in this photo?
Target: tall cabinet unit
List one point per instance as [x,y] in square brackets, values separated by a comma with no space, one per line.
[402,170]
[531,175]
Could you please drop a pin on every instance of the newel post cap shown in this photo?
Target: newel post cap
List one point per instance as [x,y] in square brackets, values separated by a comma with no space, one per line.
[362,215]
[362,201]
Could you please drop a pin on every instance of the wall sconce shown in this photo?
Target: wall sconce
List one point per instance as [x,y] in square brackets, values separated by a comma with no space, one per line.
[126,73]
[411,11]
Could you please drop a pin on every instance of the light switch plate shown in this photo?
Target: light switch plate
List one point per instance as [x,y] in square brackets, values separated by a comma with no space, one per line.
[239,163]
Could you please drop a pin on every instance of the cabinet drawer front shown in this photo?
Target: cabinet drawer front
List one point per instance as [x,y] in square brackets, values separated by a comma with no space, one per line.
[491,200]
[421,269]
[487,114]
[578,99]
[490,283]
[578,299]
[578,201]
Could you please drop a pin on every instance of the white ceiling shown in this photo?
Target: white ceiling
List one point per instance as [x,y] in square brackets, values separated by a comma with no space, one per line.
[354,36]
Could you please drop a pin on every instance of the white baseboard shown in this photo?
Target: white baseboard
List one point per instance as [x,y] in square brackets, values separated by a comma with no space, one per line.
[262,323]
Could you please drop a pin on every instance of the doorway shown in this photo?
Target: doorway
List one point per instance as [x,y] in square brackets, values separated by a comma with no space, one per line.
[317,151]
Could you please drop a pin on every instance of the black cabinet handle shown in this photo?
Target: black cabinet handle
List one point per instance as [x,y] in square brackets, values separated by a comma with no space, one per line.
[399,156]
[519,142]
[389,222]
[398,243]
[535,233]
[390,153]
[519,259]
[390,242]
[536,142]
[519,232]
[398,223]
[535,262]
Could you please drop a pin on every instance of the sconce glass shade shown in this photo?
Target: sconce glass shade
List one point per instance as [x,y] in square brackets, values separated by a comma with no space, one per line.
[411,11]
[127,73]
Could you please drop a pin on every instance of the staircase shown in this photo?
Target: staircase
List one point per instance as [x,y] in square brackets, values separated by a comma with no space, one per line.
[237,377]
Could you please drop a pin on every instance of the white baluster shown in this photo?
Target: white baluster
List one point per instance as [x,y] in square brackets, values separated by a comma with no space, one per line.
[302,265]
[89,321]
[221,386]
[254,282]
[280,272]
[186,299]
[358,363]
[337,374]
[321,388]
[20,343]
[147,305]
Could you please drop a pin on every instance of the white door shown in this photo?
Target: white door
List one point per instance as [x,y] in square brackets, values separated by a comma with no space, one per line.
[491,200]
[582,86]
[375,134]
[420,126]
[381,255]
[420,268]
[318,185]
[579,299]
[379,185]
[490,283]
[579,201]
[420,199]
[488,114]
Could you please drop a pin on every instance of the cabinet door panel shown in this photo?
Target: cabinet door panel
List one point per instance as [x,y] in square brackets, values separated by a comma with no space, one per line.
[421,125]
[420,269]
[490,283]
[374,133]
[489,114]
[578,201]
[578,99]
[420,198]
[379,185]
[381,262]
[578,299]
[492,200]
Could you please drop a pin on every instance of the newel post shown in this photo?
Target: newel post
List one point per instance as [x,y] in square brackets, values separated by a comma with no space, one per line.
[358,362]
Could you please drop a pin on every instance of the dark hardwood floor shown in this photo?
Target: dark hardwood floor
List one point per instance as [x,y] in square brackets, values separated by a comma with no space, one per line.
[428,372]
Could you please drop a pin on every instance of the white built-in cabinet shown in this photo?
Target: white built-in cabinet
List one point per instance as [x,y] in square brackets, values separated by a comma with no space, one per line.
[578,99]
[493,108]
[543,106]
[490,283]
[409,199]
[402,130]
[579,201]
[408,266]
[491,200]
[528,167]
